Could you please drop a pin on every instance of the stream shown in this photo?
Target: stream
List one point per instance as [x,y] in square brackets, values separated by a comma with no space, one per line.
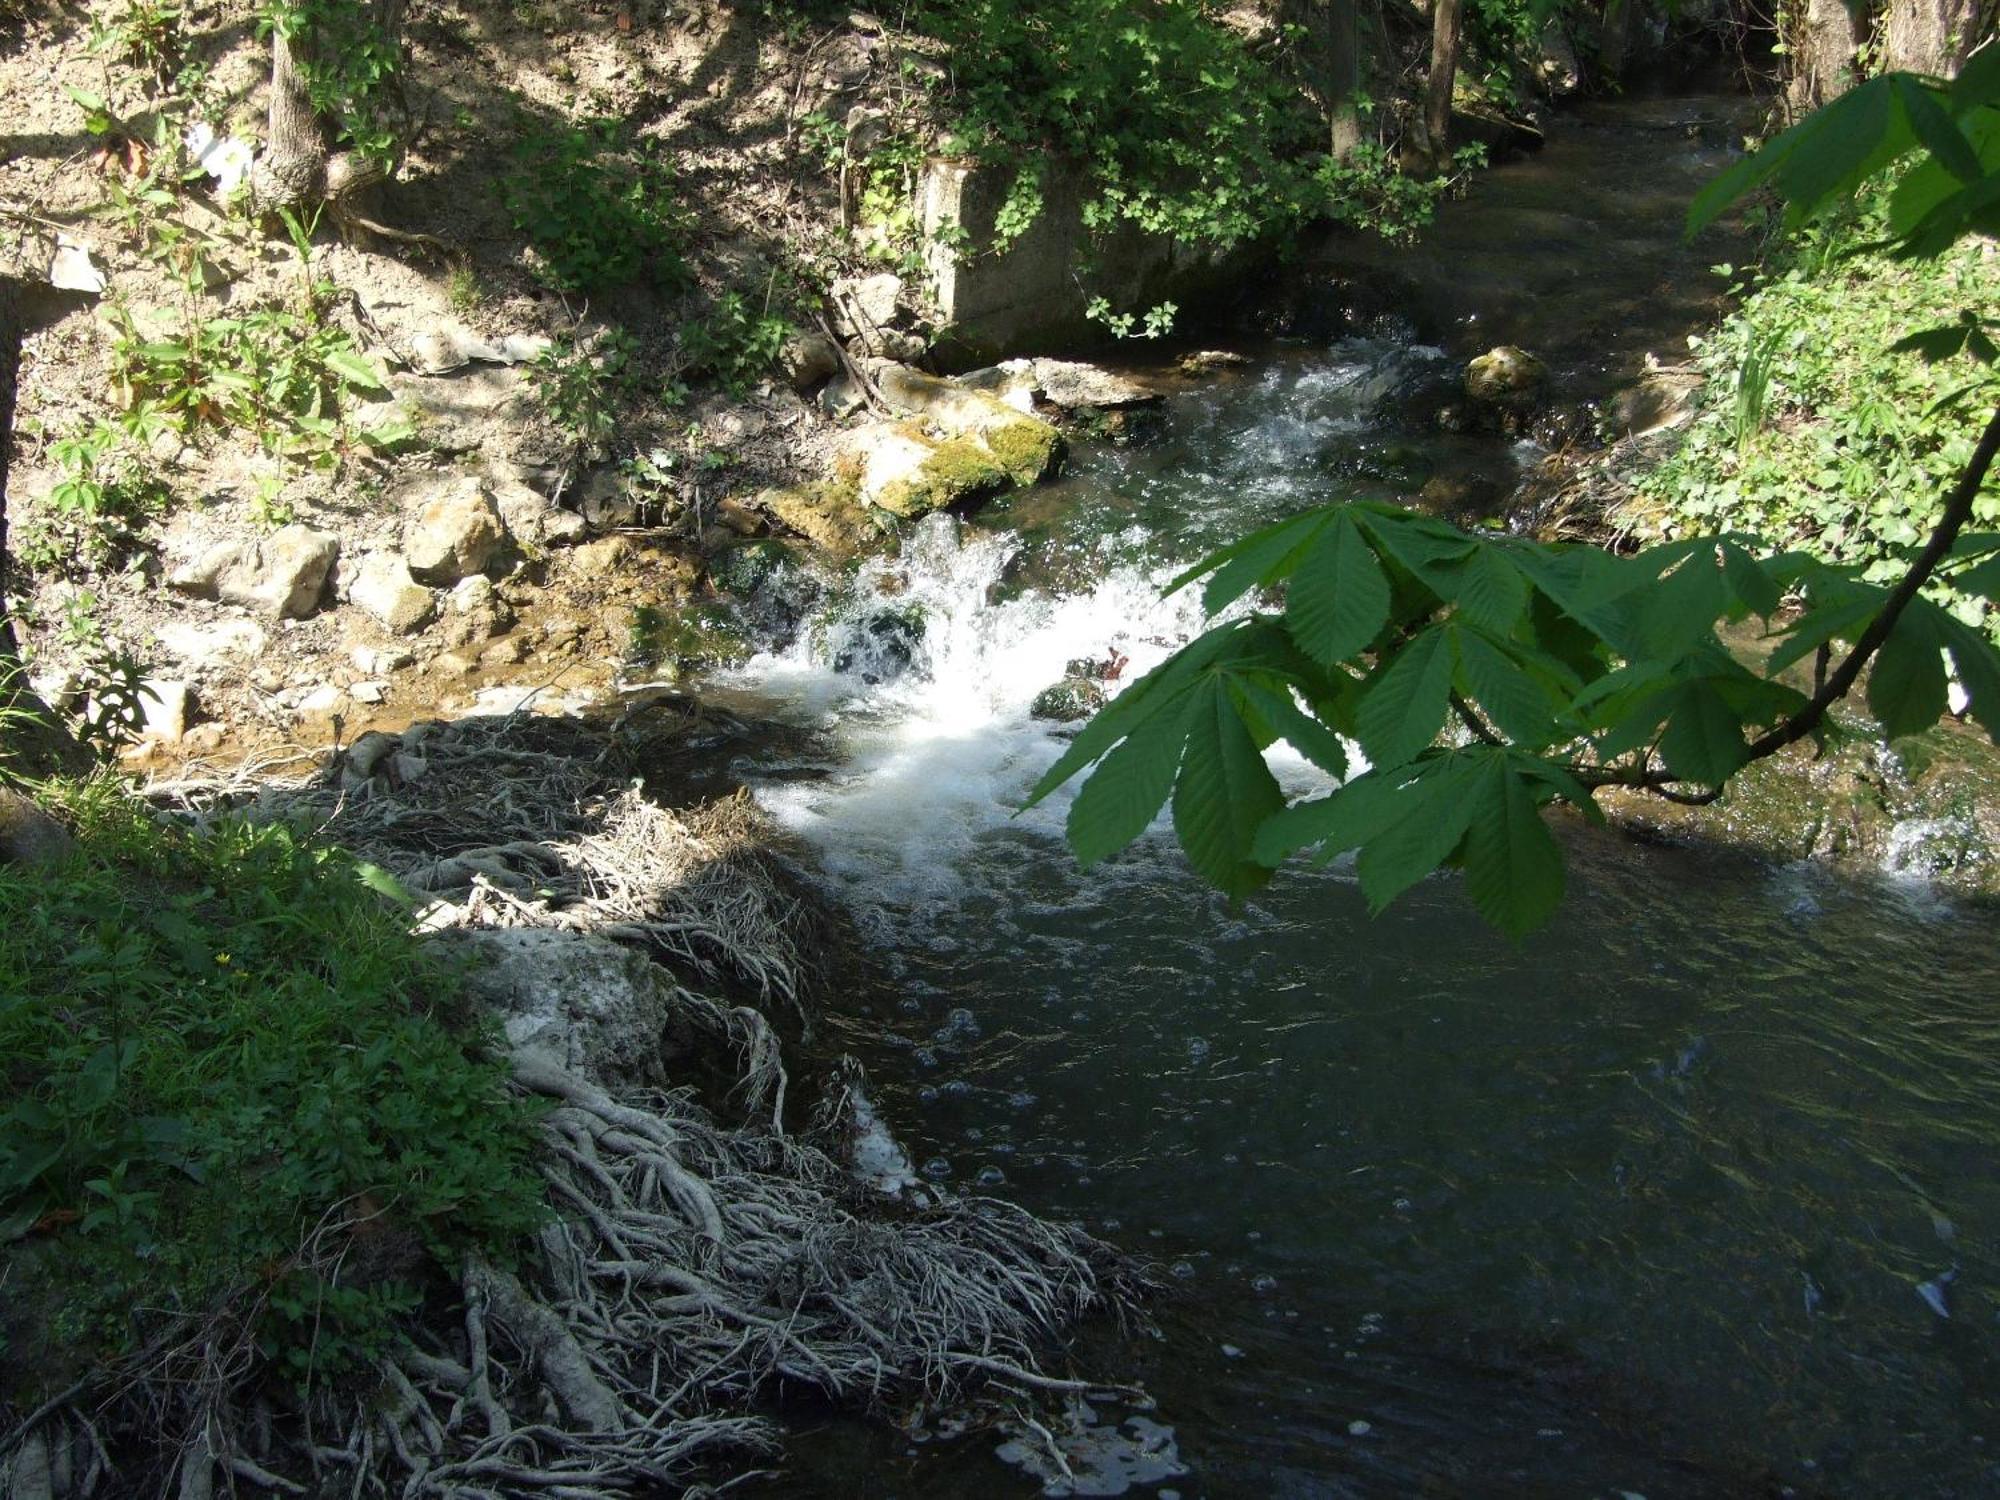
[1693,1193]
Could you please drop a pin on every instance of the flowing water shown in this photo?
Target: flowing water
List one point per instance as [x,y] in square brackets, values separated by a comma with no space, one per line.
[1694,1193]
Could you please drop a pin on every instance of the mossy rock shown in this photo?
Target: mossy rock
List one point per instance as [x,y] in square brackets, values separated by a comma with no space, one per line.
[1027,450]
[1073,699]
[696,635]
[960,470]
[744,568]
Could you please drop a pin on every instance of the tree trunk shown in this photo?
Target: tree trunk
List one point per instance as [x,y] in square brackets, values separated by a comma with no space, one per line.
[40,746]
[1929,36]
[1344,74]
[297,165]
[1823,55]
[1330,63]
[1614,37]
[292,169]
[1447,36]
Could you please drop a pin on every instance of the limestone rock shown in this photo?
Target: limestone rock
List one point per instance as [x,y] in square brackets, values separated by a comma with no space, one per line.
[282,574]
[216,645]
[807,359]
[594,1007]
[1210,361]
[1070,384]
[840,398]
[864,304]
[820,516]
[28,835]
[1504,374]
[456,534]
[165,705]
[383,586]
[531,519]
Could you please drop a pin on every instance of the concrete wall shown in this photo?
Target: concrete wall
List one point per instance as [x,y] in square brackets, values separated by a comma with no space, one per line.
[1031,299]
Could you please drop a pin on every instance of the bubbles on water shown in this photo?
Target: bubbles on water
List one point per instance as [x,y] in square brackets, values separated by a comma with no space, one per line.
[1184,1269]
[925,1058]
[1264,1285]
[991,1177]
[1198,1049]
[957,1088]
[960,1027]
[937,1169]
[1021,1099]
[927,1095]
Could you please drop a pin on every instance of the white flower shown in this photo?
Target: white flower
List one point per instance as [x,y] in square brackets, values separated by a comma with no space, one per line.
[226,160]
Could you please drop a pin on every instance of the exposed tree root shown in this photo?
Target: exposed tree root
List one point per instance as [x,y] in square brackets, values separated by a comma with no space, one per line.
[691,1267]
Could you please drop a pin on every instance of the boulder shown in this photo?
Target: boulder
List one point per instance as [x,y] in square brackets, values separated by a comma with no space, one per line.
[824,516]
[28,835]
[530,519]
[1070,384]
[807,359]
[865,304]
[283,574]
[383,586]
[457,533]
[1504,374]
[584,1002]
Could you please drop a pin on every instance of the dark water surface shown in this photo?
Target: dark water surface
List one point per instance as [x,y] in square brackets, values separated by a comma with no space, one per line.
[1694,1193]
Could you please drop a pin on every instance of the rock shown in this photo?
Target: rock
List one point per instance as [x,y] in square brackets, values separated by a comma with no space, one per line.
[1211,361]
[373,661]
[864,305]
[282,574]
[368,691]
[1663,397]
[1012,382]
[28,835]
[1068,701]
[738,516]
[1504,374]
[601,558]
[165,708]
[532,520]
[745,567]
[383,586]
[807,359]
[899,468]
[471,594]
[1070,384]
[606,500]
[592,1006]
[506,652]
[448,664]
[841,398]
[1557,70]
[204,647]
[321,700]
[823,516]
[456,534]
[879,647]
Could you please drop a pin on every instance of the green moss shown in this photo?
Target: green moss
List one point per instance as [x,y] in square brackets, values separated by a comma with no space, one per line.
[1027,449]
[697,635]
[958,470]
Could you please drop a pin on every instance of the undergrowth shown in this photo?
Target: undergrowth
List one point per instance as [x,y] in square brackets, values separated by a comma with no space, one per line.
[1812,432]
[213,1046]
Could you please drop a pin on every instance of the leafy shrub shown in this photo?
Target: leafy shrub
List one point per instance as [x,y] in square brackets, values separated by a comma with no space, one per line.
[598,207]
[104,492]
[278,371]
[1812,431]
[584,388]
[733,343]
[213,1042]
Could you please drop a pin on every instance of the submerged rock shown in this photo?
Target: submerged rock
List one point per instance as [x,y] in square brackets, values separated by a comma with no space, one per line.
[1505,374]
[1073,699]
[880,646]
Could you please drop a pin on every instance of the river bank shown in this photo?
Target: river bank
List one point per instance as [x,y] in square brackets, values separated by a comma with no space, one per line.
[1388,1297]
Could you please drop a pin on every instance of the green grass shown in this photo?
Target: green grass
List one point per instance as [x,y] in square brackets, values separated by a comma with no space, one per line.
[212,1045]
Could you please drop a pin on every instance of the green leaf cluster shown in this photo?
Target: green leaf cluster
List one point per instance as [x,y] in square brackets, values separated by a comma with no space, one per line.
[1472,679]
